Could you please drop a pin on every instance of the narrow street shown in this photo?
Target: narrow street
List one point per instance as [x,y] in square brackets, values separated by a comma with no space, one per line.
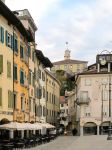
[77,143]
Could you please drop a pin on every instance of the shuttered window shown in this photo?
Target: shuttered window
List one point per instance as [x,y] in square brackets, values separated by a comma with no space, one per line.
[1,64]
[0,96]
[2,34]
[21,52]
[30,77]
[15,72]
[15,44]
[21,77]
[8,69]
[10,99]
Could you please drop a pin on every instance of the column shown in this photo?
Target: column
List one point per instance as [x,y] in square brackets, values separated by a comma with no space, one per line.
[108,67]
[97,130]
[22,134]
[11,134]
[98,65]
[34,132]
[27,133]
[81,130]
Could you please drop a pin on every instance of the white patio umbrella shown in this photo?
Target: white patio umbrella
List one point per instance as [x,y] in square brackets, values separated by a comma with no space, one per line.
[13,126]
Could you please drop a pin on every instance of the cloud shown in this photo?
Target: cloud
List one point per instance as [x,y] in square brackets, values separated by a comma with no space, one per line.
[86,25]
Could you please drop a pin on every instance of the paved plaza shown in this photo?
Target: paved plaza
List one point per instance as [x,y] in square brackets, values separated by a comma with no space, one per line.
[77,143]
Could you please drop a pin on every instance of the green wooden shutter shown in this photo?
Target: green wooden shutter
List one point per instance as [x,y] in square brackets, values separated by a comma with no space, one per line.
[2,34]
[9,69]
[0,96]
[1,63]
[12,42]
[6,38]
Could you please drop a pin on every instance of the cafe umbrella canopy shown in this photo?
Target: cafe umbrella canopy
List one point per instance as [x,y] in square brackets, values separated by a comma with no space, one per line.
[21,126]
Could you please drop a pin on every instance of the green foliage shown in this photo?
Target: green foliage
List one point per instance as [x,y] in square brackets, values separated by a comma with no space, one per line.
[66,83]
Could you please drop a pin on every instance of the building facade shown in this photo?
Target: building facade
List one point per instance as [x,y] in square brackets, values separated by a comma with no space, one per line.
[14,69]
[70,66]
[52,99]
[28,22]
[93,96]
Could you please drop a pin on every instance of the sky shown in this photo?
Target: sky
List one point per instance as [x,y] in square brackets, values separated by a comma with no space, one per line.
[85,24]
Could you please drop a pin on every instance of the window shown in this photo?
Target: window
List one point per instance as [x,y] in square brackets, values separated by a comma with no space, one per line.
[47,95]
[15,44]
[44,111]
[21,77]
[62,105]
[10,99]
[39,93]
[87,111]
[65,66]
[15,72]
[29,51]
[105,111]
[21,52]
[1,64]
[0,96]
[8,39]
[43,76]
[15,100]
[2,34]
[8,69]
[30,77]
[22,103]
[30,105]
[84,95]
[87,82]
[33,55]
[43,92]
[39,73]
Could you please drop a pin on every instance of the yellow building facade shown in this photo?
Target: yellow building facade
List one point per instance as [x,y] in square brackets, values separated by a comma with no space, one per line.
[14,67]
[52,99]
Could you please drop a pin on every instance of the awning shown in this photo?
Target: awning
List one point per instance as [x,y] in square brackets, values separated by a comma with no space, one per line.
[12,126]
[48,126]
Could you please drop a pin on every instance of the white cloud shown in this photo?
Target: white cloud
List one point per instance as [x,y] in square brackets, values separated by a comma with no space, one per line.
[86,26]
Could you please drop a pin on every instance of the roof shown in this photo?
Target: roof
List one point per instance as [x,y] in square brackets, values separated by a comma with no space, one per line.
[45,61]
[8,14]
[69,61]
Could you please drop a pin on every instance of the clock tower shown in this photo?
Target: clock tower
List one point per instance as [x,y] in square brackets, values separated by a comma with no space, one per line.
[104,62]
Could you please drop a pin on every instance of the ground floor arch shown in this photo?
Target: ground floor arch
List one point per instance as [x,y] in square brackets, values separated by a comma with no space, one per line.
[103,128]
[90,128]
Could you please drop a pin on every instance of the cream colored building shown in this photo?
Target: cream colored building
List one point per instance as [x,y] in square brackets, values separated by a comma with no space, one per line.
[41,62]
[52,99]
[93,96]
[69,65]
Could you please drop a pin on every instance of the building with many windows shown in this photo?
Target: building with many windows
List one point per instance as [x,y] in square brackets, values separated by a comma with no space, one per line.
[70,66]
[93,97]
[29,24]
[52,99]
[41,62]
[13,67]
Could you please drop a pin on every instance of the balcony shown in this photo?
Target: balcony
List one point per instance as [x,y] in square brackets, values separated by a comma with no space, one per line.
[82,101]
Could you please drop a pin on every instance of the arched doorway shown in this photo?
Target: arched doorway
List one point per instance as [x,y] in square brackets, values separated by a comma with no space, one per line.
[103,128]
[4,134]
[90,128]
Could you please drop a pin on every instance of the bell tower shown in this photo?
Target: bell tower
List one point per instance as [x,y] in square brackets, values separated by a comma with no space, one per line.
[67,52]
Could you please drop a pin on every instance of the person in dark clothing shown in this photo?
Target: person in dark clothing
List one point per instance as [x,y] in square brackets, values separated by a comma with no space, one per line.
[74,131]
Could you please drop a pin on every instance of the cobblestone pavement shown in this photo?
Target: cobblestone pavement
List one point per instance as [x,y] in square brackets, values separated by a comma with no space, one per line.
[77,143]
